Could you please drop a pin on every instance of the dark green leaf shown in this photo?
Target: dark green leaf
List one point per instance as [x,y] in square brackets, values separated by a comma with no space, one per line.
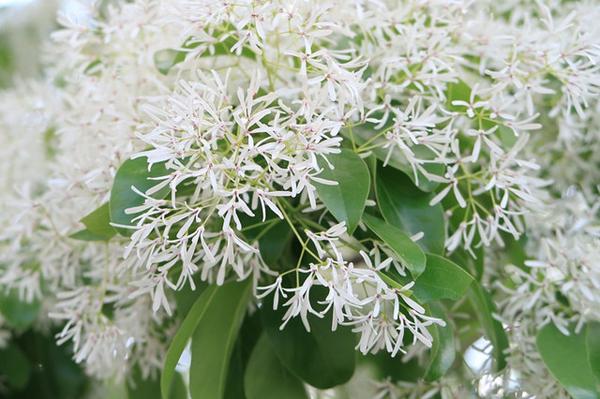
[322,358]
[149,388]
[15,368]
[409,253]
[17,313]
[593,348]
[493,330]
[133,173]
[405,206]
[395,368]
[566,358]
[442,279]
[267,378]
[474,266]
[214,339]
[98,222]
[185,298]
[273,243]
[54,374]
[345,200]
[397,161]
[183,334]
[443,351]
[234,388]
[248,336]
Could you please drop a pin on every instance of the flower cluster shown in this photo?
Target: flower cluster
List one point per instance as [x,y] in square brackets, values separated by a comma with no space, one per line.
[491,108]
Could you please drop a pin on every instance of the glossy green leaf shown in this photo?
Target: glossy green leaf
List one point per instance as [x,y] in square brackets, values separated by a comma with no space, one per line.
[409,253]
[15,368]
[592,342]
[566,358]
[18,314]
[182,336]
[403,205]
[98,222]
[484,308]
[345,200]
[132,173]
[267,378]
[442,279]
[443,351]
[214,339]
[321,357]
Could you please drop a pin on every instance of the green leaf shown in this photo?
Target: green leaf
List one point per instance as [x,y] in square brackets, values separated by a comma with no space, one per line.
[97,223]
[178,388]
[86,235]
[566,358]
[457,91]
[345,200]
[273,243]
[17,313]
[592,342]
[140,388]
[185,298]
[395,280]
[403,205]
[15,368]
[54,374]
[321,357]
[397,161]
[50,142]
[166,59]
[474,266]
[267,378]
[493,330]
[442,279]
[133,173]
[443,351]
[183,334]
[408,251]
[248,336]
[214,339]
[234,387]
